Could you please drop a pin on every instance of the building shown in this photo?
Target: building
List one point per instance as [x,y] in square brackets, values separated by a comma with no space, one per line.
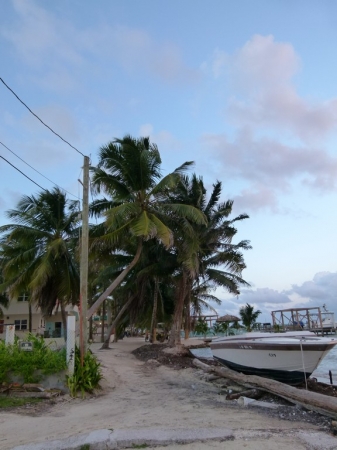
[17,314]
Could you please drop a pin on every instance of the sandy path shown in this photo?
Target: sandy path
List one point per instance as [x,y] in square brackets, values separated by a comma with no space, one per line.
[138,395]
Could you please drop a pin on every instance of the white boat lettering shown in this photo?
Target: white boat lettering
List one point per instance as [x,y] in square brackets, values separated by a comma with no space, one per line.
[273,355]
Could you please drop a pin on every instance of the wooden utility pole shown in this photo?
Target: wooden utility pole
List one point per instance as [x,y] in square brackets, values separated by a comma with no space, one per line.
[84,261]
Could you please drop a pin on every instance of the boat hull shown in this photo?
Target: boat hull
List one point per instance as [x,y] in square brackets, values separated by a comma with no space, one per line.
[286,359]
[293,377]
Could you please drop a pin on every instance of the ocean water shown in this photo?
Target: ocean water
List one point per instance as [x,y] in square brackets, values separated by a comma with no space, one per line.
[321,373]
[327,363]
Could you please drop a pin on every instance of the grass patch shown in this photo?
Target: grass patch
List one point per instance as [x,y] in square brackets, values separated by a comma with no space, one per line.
[11,402]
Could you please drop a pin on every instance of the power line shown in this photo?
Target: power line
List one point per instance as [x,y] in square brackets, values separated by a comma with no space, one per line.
[38,171]
[24,104]
[23,173]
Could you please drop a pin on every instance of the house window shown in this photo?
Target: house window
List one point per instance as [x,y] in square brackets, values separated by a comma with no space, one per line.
[20,324]
[23,298]
[1,326]
[58,330]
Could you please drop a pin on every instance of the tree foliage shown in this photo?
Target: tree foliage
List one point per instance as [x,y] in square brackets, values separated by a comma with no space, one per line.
[38,250]
[249,316]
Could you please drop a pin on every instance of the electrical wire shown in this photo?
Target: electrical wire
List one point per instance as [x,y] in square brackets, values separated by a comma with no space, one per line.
[24,104]
[22,173]
[39,172]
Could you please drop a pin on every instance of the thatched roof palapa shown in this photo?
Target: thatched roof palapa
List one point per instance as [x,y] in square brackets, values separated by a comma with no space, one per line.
[228,318]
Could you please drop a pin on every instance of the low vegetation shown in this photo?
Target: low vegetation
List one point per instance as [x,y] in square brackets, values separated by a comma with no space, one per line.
[85,378]
[32,365]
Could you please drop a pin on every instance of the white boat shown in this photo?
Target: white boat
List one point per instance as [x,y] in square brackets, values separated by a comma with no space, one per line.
[289,357]
[328,319]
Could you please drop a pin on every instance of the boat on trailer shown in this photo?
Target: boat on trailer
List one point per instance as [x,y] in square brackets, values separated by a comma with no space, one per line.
[290,357]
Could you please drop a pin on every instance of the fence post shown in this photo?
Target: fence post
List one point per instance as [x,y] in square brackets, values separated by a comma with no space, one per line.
[71,344]
[10,334]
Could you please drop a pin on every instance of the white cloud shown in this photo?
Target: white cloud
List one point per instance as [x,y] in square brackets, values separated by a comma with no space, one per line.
[278,137]
[321,289]
[146,130]
[263,63]
[263,297]
[165,141]
[261,74]
[39,36]
[312,293]
[269,166]
[45,41]
[257,197]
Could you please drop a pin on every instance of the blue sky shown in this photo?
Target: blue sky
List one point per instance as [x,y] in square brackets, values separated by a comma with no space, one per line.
[245,89]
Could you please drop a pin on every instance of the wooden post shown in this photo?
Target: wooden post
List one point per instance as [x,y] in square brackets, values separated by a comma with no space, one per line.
[292,320]
[308,319]
[320,321]
[84,260]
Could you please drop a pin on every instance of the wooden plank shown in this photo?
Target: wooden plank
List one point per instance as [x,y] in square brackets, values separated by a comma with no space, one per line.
[251,393]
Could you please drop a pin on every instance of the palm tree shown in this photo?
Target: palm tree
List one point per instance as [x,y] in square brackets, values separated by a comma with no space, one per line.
[157,267]
[220,327]
[209,256]
[198,301]
[249,316]
[201,327]
[37,251]
[137,207]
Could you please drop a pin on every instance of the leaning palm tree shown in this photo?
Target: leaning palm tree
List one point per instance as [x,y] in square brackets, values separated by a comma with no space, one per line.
[136,206]
[249,316]
[38,251]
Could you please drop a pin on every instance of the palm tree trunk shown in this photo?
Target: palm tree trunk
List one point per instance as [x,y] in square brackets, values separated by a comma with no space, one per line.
[115,322]
[188,313]
[64,320]
[175,338]
[154,312]
[116,282]
[103,321]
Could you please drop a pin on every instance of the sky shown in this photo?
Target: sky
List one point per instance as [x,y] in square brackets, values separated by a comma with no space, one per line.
[247,90]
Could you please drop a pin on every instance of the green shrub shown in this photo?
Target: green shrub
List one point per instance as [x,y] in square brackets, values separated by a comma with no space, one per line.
[31,365]
[86,378]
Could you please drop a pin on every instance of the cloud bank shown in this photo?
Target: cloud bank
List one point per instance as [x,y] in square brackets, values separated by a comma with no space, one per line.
[56,46]
[278,137]
[313,293]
